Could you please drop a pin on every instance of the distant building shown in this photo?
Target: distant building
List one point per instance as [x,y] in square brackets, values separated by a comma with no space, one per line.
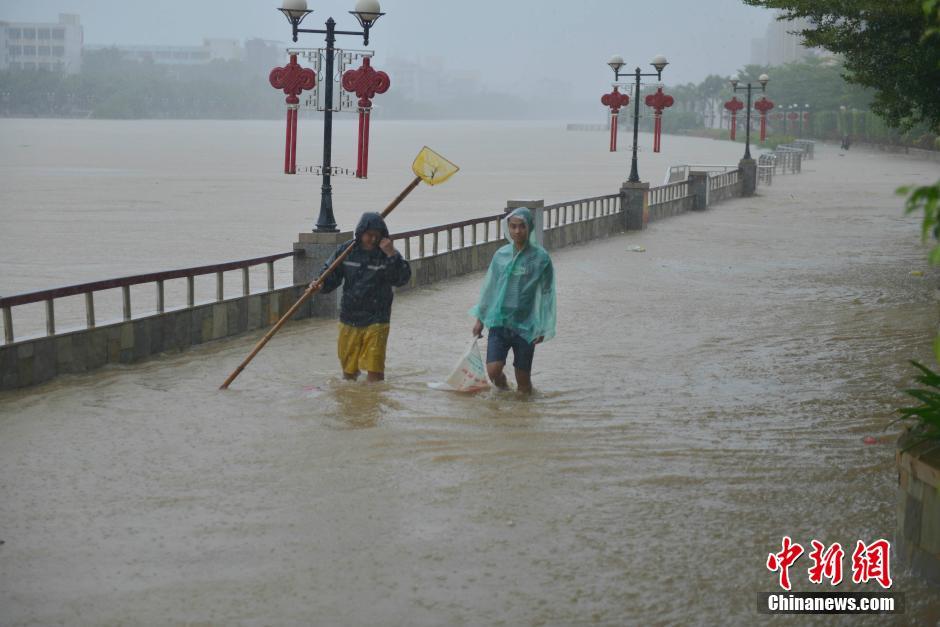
[428,80]
[782,43]
[262,55]
[210,50]
[53,46]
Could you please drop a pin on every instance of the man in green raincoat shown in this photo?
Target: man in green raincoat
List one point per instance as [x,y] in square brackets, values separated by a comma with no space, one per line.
[517,302]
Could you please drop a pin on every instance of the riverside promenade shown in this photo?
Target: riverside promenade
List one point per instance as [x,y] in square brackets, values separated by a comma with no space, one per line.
[702,399]
[436,253]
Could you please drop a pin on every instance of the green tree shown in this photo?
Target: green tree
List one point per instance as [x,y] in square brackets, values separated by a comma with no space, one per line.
[883,46]
[927,199]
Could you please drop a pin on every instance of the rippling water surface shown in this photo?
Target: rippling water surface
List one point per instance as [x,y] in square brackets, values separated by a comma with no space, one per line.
[701,400]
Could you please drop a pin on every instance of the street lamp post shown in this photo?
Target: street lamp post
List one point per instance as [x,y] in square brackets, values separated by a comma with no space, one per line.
[366,12]
[615,63]
[747,126]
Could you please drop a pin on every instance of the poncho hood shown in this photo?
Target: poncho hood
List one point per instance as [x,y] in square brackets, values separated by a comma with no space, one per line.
[526,214]
[371,220]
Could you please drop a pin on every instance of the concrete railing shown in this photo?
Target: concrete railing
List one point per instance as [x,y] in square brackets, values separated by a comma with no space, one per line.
[564,213]
[157,279]
[808,146]
[593,127]
[435,253]
[789,159]
[679,173]
[433,240]
[448,250]
[766,166]
[578,221]
[724,186]
[441,252]
[670,200]
[726,179]
[32,360]
[667,193]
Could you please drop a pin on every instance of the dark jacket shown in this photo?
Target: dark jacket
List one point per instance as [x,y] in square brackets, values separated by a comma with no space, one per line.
[367,277]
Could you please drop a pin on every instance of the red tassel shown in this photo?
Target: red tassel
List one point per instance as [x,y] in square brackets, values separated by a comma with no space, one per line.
[293,142]
[287,143]
[734,124]
[365,146]
[613,132]
[362,154]
[359,146]
[763,126]
[657,131]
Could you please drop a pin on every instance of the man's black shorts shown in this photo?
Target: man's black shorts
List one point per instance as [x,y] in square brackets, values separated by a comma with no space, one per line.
[501,340]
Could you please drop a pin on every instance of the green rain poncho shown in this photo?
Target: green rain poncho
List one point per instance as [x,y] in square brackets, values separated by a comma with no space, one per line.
[519,289]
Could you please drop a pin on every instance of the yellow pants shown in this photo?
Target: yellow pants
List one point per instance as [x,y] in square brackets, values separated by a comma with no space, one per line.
[362,348]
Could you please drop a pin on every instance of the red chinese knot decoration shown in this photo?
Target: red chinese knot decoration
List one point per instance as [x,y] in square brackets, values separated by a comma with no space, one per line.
[763,106]
[734,105]
[365,82]
[293,79]
[658,101]
[614,100]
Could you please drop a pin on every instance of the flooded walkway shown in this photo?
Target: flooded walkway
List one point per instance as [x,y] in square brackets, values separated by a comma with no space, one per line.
[701,400]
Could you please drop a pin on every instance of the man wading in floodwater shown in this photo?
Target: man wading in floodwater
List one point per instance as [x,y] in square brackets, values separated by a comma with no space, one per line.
[367,276]
[517,302]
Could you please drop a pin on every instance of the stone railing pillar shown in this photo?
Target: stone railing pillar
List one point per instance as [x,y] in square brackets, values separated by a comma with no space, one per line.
[698,190]
[314,249]
[748,169]
[635,200]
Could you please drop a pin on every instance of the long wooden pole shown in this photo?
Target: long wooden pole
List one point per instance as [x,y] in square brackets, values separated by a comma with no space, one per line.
[312,289]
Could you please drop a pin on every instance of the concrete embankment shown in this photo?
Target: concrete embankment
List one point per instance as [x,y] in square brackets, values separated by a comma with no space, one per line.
[437,254]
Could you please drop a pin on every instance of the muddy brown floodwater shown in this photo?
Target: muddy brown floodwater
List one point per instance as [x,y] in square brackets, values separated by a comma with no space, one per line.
[702,399]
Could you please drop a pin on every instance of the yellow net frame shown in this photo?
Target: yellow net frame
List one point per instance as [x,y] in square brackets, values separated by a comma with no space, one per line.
[432,168]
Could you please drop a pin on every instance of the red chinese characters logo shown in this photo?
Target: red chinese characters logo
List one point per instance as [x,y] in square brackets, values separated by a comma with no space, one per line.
[783,560]
[869,562]
[826,564]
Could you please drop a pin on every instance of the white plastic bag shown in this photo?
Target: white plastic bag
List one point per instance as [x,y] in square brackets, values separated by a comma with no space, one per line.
[469,374]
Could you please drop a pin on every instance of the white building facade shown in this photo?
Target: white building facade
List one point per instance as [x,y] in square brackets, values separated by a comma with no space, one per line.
[210,50]
[51,46]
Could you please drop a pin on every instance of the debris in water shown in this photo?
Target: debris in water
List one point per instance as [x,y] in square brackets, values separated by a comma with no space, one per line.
[311,391]
[917,273]
[637,249]
[869,439]
[511,523]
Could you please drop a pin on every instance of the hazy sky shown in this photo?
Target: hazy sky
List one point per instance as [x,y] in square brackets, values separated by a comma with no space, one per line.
[525,46]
